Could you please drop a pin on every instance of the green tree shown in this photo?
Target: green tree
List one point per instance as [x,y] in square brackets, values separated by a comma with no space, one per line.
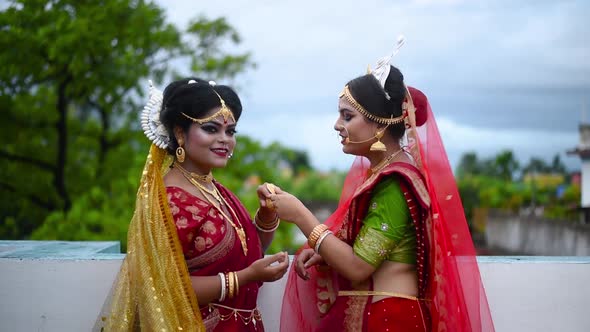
[71,75]
[506,165]
[469,164]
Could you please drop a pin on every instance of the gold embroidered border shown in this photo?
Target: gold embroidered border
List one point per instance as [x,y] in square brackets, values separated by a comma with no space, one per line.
[353,315]
[217,252]
[417,182]
[372,246]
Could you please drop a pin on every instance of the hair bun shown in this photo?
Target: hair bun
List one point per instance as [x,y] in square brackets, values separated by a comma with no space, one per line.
[421,105]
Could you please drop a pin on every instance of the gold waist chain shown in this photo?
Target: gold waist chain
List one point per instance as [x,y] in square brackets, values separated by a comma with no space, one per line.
[247,316]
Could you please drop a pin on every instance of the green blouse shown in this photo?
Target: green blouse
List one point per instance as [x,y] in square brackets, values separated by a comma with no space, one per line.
[387,232]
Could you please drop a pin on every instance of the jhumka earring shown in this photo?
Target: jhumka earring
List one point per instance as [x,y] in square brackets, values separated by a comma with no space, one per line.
[378,146]
[180,152]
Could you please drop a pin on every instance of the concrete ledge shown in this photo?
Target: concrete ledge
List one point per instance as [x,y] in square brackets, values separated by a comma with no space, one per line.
[62,292]
[60,249]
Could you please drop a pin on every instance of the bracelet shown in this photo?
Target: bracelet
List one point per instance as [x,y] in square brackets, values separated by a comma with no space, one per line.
[270,230]
[236,283]
[266,227]
[319,242]
[230,278]
[315,234]
[222,278]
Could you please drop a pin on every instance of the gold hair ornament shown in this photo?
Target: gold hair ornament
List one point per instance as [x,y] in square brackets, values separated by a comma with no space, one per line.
[224,112]
[387,121]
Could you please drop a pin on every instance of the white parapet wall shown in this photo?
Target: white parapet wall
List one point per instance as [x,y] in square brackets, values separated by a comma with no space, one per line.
[60,286]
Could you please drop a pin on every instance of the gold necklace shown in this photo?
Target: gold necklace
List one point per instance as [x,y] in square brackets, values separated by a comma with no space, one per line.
[207,178]
[195,178]
[386,161]
[239,230]
[217,195]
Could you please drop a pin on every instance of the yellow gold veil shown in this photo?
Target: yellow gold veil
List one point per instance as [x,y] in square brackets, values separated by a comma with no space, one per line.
[153,290]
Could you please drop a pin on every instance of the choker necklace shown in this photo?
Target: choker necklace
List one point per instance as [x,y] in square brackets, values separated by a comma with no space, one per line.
[207,178]
[386,161]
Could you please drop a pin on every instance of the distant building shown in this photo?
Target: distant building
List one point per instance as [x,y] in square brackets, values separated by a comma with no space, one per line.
[583,151]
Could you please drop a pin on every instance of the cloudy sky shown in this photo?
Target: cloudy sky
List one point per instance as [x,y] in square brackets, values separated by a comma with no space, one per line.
[499,74]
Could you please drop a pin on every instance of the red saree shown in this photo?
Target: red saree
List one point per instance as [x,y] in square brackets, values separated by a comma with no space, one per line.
[211,245]
[451,293]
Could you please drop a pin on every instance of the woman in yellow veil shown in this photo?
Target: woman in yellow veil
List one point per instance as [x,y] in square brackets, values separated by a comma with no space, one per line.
[195,258]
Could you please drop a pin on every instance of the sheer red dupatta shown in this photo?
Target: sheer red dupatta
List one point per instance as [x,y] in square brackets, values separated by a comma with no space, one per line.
[454,291]
[455,288]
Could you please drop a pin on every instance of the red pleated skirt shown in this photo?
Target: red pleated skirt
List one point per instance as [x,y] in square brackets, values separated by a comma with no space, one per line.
[395,314]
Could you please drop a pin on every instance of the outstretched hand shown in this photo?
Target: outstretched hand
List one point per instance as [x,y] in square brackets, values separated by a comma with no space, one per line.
[270,268]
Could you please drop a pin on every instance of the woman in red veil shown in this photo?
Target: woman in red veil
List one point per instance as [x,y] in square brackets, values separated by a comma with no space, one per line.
[397,254]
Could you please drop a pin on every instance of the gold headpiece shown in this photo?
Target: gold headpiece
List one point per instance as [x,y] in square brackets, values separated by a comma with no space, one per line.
[225,112]
[387,121]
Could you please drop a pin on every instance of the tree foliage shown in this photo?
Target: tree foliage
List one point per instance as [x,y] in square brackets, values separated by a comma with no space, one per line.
[500,183]
[70,87]
[73,151]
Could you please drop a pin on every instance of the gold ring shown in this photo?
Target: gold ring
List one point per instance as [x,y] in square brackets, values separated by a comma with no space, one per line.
[271,188]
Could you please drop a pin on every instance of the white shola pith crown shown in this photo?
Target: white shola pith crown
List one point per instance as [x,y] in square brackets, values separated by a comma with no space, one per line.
[150,119]
[381,71]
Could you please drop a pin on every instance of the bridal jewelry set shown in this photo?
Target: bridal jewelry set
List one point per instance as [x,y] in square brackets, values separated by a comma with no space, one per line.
[200,181]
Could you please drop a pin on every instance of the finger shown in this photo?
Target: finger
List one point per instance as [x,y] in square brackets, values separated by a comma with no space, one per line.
[300,270]
[305,256]
[314,260]
[300,262]
[268,260]
[278,268]
[284,258]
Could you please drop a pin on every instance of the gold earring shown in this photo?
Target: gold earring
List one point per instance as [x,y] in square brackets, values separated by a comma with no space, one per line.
[378,146]
[180,152]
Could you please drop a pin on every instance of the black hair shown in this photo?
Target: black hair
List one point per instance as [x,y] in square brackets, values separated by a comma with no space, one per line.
[194,100]
[368,92]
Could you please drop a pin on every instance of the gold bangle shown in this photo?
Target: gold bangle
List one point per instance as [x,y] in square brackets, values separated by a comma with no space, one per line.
[266,227]
[321,239]
[315,234]
[264,223]
[268,230]
[236,283]
[230,278]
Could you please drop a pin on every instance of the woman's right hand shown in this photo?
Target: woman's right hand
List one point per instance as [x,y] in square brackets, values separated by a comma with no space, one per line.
[266,270]
[306,259]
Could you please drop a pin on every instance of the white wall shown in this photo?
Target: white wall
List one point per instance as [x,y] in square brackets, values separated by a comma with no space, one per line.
[525,294]
[537,236]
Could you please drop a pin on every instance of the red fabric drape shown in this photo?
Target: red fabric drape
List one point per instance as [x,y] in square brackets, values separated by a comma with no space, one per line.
[233,260]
